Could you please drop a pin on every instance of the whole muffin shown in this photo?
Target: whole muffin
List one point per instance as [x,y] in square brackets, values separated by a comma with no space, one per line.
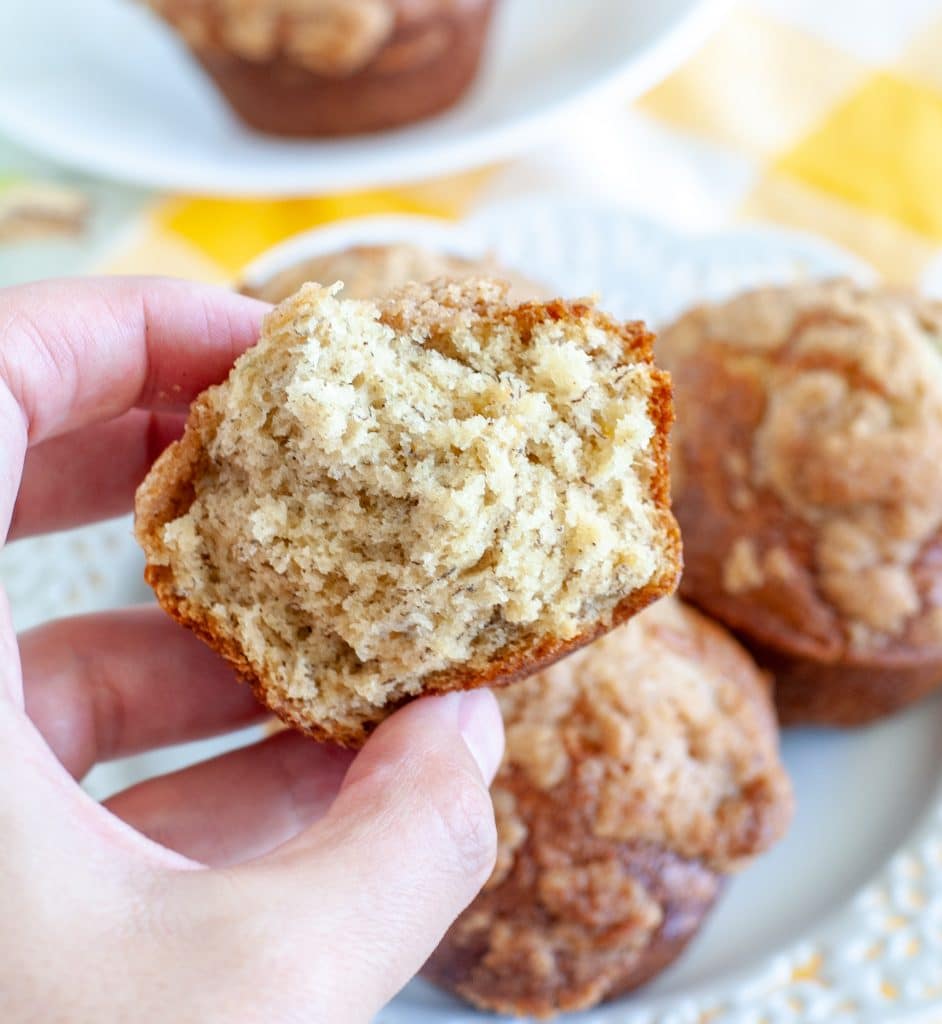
[334,67]
[436,490]
[637,774]
[368,271]
[808,486]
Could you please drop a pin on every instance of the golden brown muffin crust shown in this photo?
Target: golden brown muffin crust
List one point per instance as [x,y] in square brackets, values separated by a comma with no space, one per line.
[808,482]
[637,773]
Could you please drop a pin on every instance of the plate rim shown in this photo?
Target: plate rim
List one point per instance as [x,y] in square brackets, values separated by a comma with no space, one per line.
[487,145]
[467,235]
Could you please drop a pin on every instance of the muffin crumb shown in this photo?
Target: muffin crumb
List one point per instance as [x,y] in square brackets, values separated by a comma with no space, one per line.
[424,491]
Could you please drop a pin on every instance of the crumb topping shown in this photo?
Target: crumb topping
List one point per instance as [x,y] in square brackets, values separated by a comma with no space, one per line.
[742,570]
[849,440]
[665,739]
[637,772]
[368,271]
[330,37]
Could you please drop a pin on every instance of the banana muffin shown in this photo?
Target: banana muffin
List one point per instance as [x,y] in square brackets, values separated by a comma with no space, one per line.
[808,485]
[638,773]
[433,491]
[334,67]
[368,271]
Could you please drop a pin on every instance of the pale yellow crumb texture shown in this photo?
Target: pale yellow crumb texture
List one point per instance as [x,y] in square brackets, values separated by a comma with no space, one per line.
[398,488]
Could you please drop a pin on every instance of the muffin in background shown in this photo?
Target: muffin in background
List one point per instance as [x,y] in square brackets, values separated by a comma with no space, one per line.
[638,773]
[368,271]
[807,479]
[334,67]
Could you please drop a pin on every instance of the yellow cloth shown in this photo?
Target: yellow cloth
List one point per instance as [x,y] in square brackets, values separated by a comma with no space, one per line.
[839,109]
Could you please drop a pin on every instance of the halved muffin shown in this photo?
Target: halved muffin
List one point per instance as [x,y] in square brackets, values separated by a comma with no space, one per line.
[434,491]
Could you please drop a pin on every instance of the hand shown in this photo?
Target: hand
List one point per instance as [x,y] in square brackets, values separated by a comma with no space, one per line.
[284,882]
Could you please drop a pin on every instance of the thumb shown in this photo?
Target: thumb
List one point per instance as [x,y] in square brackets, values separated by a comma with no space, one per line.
[371,889]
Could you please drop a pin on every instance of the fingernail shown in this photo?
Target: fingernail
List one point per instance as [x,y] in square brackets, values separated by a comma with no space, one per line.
[482,728]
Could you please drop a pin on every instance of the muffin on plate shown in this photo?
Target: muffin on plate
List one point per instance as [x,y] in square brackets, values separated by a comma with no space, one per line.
[368,271]
[433,491]
[808,485]
[334,67]
[638,773]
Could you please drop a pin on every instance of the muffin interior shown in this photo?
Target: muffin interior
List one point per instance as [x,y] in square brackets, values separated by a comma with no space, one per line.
[385,491]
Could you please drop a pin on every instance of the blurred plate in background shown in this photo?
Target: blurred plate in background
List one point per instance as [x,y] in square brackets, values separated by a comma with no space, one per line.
[102,85]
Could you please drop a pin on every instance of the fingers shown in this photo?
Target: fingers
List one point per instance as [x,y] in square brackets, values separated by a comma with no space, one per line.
[240,805]
[106,685]
[11,686]
[80,351]
[405,847]
[75,352]
[90,474]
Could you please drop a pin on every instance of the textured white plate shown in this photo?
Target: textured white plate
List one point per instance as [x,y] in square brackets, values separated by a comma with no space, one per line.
[102,85]
[842,922]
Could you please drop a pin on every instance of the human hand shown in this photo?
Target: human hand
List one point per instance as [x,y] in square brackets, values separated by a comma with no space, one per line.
[284,882]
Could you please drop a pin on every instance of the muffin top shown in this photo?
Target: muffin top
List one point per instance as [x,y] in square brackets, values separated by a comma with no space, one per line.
[328,37]
[808,458]
[637,772]
[368,271]
[666,725]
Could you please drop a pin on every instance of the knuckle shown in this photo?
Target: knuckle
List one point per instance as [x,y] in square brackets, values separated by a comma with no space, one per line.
[464,809]
[27,357]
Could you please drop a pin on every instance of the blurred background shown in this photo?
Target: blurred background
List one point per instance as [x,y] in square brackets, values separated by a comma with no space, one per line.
[117,154]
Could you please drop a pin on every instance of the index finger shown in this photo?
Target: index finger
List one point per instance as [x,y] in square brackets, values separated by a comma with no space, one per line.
[73,352]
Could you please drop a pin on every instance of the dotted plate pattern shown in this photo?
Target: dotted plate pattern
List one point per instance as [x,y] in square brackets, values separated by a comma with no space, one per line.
[880,957]
[89,569]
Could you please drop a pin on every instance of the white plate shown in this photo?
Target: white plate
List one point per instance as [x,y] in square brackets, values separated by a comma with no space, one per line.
[842,922]
[103,86]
